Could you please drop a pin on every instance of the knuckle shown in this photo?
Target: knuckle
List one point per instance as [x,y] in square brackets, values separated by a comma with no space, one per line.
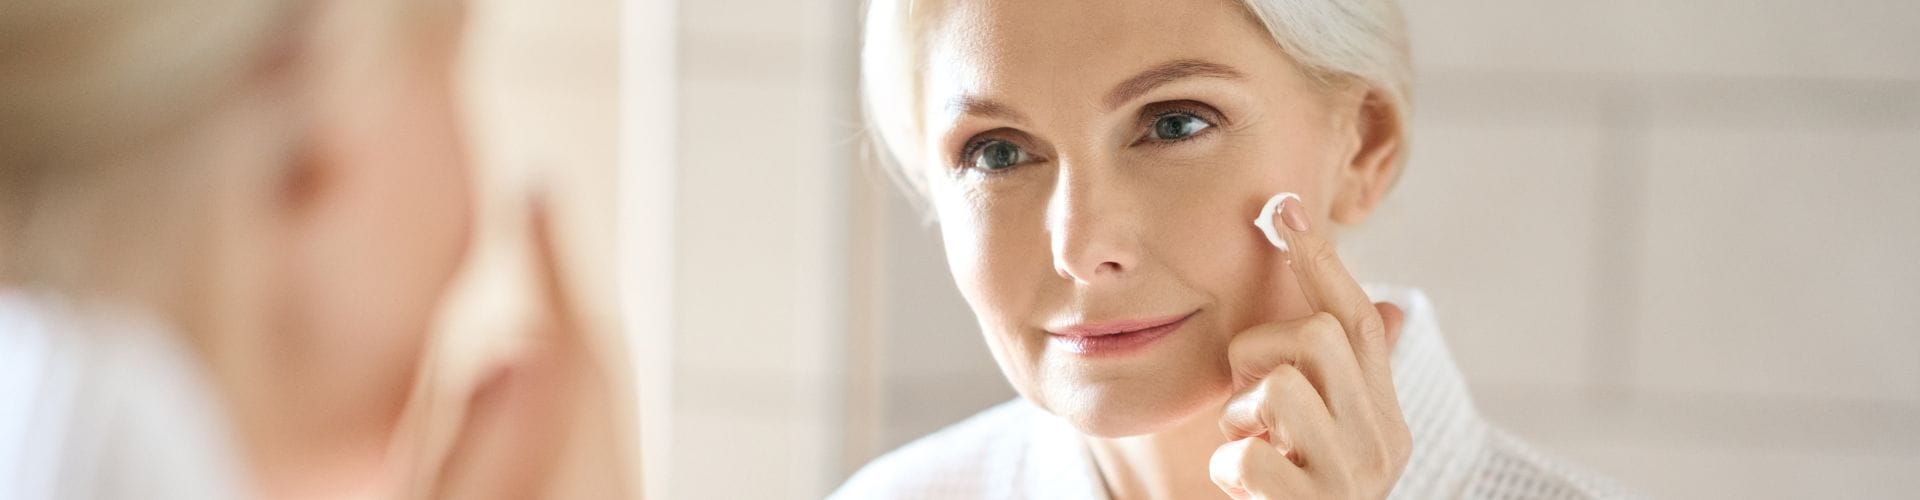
[1248,458]
[1247,373]
[1245,416]
[1325,333]
[1226,467]
[1234,462]
[1230,428]
[1243,348]
[1402,444]
[1392,452]
[1285,380]
[1372,327]
[1251,343]
[1323,320]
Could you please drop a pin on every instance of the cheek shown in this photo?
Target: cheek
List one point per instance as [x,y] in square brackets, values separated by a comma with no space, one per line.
[1213,248]
[1206,236]
[418,178]
[393,240]
[445,187]
[997,250]
[1001,264]
[383,244]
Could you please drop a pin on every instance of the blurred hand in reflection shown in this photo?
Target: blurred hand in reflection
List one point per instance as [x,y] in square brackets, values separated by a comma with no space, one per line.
[516,421]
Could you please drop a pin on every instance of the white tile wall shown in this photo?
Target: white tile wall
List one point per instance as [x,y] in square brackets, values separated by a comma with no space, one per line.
[1685,471]
[750,434]
[938,363]
[1781,262]
[1850,39]
[763,120]
[1496,218]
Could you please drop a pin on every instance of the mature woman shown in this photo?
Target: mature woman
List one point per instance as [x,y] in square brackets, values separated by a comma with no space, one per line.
[1094,167]
[225,227]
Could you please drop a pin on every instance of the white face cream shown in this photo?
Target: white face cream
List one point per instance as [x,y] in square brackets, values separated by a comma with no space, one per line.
[1264,220]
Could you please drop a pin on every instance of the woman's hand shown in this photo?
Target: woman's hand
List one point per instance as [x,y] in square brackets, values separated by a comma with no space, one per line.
[1314,414]
[520,420]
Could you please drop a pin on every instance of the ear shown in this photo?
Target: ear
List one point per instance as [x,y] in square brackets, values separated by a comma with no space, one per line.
[1372,123]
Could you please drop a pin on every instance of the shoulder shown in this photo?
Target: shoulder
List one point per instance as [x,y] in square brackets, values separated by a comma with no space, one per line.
[71,375]
[1457,453]
[1512,468]
[964,460]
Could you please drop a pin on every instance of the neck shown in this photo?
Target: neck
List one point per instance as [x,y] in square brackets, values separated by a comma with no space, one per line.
[298,457]
[1168,464]
[302,441]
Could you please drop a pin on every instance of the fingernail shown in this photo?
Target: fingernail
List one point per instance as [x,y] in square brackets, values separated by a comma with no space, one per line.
[1291,213]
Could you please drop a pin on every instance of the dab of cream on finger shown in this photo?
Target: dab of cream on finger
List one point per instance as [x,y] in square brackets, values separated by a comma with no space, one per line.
[1264,220]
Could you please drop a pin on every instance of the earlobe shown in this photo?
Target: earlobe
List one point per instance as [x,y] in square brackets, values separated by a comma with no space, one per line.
[1370,168]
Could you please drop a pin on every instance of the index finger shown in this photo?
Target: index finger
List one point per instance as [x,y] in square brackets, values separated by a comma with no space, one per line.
[1328,286]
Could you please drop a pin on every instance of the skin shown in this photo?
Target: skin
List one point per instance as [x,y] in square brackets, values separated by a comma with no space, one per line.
[1095,216]
[336,267]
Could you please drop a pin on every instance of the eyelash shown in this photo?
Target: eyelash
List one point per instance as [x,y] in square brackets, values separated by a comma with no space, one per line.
[1201,111]
[964,162]
[973,146]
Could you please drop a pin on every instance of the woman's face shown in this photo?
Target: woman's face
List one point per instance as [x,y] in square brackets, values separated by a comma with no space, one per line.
[378,231]
[1096,167]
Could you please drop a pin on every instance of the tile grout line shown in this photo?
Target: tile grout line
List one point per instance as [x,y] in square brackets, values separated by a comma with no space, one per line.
[1619,237]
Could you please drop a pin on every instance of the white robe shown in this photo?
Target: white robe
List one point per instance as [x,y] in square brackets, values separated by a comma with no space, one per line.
[101,403]
[1017,451]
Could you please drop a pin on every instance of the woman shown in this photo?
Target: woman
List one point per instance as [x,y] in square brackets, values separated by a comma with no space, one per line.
[1093,166]
[225,228]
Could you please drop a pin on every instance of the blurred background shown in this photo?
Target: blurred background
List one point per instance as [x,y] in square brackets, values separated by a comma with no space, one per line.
[1672,241]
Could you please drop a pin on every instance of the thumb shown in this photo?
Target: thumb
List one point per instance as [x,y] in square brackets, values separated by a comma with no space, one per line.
[1394,318]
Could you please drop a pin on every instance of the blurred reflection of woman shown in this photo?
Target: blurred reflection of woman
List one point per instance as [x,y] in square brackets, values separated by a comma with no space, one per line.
[1094,166]
[225,227]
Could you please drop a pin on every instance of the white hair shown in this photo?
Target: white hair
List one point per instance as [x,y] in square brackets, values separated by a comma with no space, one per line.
[120,122]
[1336,41]
[103,101]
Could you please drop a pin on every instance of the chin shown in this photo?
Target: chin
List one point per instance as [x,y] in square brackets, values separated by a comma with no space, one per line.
[1136,406]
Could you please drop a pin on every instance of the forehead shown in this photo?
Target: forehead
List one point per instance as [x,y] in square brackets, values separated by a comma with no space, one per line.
[1079,46]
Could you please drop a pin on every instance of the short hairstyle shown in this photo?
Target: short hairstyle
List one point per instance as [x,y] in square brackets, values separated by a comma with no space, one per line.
[1336,41]
[96,90]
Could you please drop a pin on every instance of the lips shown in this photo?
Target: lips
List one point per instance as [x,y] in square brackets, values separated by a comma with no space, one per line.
[1116,337]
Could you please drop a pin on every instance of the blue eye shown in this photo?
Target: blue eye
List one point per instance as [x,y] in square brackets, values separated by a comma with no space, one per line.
[996,155]
[1177,126]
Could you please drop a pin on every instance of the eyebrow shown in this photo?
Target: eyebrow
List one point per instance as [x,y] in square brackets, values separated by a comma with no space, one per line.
[981,106]
[1132,88]
[1165,73]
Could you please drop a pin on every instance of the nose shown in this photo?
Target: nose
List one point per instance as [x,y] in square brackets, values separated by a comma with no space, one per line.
[1094,239]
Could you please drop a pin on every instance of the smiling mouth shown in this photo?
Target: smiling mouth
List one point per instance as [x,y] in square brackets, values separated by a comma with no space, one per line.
[1116,337]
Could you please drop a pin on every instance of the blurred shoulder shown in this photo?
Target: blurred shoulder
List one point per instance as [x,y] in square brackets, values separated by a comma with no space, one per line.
[969,459]
[72,372]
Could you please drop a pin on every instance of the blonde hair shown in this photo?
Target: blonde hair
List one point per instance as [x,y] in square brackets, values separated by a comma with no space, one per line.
[96,174]
[1336,41]
[124,120]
